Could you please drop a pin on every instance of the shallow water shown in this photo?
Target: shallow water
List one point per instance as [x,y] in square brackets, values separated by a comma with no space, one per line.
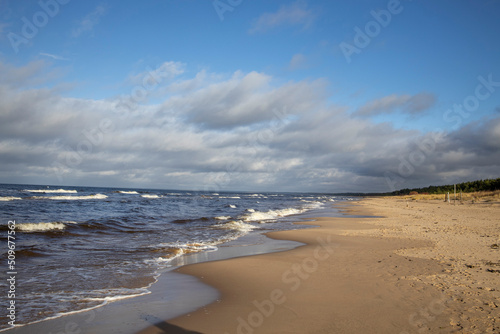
[78,247]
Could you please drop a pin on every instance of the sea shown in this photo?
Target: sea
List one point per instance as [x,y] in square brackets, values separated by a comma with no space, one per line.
[78,248]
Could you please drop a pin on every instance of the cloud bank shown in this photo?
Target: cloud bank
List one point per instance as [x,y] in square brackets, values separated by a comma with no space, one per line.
[216,132]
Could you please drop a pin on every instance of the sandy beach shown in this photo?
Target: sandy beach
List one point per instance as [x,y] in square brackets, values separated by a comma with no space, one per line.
[425,266]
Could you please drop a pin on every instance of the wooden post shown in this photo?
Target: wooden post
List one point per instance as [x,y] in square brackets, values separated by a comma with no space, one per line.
[455,194]
[448,197]
[460,195]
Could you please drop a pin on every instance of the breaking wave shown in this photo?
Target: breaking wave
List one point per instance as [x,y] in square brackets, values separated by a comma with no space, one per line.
[223,217]
[237,225]
[175,249]
[51,191]
[150,196]
[42,227]
[9,198]
[270,215]
[74,198]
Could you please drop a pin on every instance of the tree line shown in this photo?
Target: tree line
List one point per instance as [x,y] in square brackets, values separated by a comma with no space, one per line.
[466,187]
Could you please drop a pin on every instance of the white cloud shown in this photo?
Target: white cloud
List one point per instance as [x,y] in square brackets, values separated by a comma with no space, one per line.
[298,61]
[296,13]
[411,104]
[88,23]
[158,75]
[214,132]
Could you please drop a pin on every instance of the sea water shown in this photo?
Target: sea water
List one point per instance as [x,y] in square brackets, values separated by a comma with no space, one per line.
[78,248]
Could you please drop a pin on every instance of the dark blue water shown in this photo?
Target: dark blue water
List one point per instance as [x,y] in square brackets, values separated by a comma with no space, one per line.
[81,247]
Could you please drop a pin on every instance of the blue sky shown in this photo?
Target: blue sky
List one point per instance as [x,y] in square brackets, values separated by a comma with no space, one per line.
[222,71]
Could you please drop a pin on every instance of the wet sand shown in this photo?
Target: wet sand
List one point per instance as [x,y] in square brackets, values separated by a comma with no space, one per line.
[361,275]
[393,265]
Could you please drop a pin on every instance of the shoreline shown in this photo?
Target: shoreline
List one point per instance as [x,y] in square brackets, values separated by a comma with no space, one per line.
[398,266]
[333,283]
[167,297]
[383,265]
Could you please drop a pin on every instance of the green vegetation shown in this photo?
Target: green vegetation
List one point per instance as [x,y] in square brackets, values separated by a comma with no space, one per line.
[466,187]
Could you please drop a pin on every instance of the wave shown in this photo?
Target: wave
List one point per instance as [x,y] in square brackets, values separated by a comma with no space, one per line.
[113,294]
[127,192]
[150,196]
[312,204]
[270,215]
[177,249]
[52,191]
[43,227]
[9,198]
[74,198]
[223,217]
[237,225]
[232,206]
[190,220]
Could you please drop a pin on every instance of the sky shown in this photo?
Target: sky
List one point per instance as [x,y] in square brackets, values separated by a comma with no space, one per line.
[299,96]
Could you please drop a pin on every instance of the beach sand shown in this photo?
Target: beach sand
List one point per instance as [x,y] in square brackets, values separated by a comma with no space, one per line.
[426,266]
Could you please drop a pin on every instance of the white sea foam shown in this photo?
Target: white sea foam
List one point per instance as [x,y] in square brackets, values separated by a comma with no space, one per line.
[9,198]
[128,192]
[52,191]
[223,217]
[270,215]
[178,249]
[42,227]
[104,301]
[74,198]
[112,295]
[232,206]
[314,205]
[237,225]
[150,196]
